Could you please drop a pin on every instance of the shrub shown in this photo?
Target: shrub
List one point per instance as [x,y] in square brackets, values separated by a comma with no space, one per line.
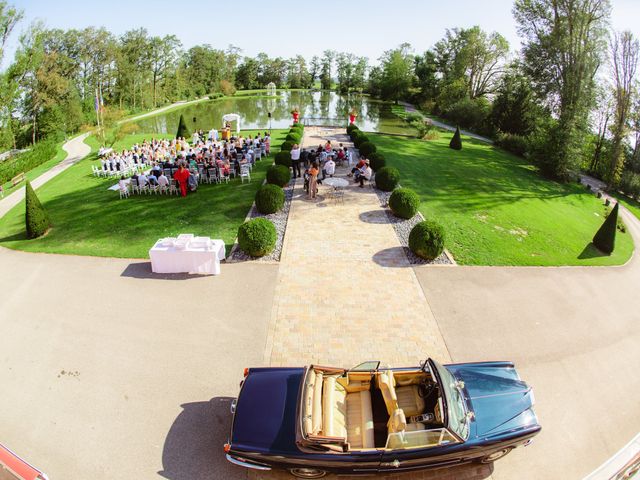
[293,137]
[283,158]
[298,126]
[183,131]
[387,178]
[38,154]
[605,237]
[278,175]
[412,117]
[366,149]
[470,113]
[630,183]
[516,144]
[351,127]
[257,237]
[456,141]
[376,161]
[359,139]
[227,88]
[426,240]
[404,202]
[36,217]
[269,198]
[287,146]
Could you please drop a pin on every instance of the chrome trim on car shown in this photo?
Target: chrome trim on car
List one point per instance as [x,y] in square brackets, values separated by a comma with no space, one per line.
[234,403]
[246,464]
[528,442]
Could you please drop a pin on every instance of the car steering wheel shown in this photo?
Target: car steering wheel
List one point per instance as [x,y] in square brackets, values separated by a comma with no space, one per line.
[426,389]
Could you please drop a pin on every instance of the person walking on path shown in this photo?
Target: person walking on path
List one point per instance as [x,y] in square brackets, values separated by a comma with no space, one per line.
[295,160]
[182,176]
[313,181]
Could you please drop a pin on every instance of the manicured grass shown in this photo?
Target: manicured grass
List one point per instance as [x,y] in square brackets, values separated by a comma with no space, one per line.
[632,205]
[39,170]
[88,219]
[496,209]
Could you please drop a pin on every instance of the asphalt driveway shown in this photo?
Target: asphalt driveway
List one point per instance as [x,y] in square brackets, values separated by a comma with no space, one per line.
[109,372]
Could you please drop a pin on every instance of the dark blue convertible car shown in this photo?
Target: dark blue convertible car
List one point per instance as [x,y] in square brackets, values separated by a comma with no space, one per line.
[318,420]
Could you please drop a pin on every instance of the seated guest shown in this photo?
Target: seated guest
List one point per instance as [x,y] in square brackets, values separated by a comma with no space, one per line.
[152,179]
[360,165]
[364,174]
[142,179]
[329,168]
[163,181]
[122,184]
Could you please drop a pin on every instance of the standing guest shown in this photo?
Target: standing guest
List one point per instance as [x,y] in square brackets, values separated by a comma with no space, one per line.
[329,168]
[295,160]
[304,158]
[313,181]
[182,176]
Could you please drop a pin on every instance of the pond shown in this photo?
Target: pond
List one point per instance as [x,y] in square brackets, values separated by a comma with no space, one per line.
[325,108]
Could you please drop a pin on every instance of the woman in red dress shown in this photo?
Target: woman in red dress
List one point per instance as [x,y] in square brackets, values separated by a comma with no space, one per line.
[182,176]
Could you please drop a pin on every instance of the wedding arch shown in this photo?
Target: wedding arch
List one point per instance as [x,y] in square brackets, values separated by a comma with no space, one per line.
[230,117]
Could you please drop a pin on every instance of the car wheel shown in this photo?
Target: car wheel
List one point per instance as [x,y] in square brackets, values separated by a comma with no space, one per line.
[496,455]
[307,472]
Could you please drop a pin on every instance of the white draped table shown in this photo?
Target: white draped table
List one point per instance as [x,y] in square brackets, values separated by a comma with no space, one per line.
[199,255]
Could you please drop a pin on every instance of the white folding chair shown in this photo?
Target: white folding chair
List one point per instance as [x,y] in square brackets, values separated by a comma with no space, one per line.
[245,172]
[124,192]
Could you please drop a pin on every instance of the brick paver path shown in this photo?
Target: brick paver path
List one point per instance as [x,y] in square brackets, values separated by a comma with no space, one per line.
[346,292]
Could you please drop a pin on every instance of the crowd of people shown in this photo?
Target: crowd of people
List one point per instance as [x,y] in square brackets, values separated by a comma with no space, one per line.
[186,161]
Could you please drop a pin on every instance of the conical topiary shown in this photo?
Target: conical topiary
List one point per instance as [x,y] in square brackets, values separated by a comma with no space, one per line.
[183,131]
[36,217]
[605,237]
[456,141]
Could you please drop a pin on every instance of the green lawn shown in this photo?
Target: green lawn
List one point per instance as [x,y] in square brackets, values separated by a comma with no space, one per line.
[495,207]
[632,205]
[88,219]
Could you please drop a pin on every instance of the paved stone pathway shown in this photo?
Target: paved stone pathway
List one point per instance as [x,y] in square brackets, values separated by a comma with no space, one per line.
[346,292]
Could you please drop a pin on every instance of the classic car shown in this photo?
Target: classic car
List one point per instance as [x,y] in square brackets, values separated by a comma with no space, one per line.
[371,419]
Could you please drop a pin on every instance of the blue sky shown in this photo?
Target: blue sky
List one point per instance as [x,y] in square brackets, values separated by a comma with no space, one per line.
[284,28]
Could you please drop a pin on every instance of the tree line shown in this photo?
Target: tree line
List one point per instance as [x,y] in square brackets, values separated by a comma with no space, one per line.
[567,100]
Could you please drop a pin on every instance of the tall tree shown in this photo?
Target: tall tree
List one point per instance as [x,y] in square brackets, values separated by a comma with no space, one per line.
[326,66]
[164,54]
[9,18]
[397,72]
[624,58]
[563,51]
[600,121]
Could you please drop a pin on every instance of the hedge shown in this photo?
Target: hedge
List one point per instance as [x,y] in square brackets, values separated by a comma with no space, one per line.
[387,178]
[404,202]
[36,218]
[257,237]
[605,237]
[283,158]
[426,240]
[293,137]
[269,198]
[278,175]
[351,127]
[287,146]
[366,149]
[456,141]
[40,153]
[376,161]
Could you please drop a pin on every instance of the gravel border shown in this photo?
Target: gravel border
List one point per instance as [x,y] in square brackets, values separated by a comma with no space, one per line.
[279,219]
[403,228]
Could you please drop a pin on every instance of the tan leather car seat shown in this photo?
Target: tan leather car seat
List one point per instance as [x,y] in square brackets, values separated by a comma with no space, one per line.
[407,398]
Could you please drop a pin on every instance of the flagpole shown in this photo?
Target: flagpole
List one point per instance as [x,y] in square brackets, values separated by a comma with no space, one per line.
[97,108]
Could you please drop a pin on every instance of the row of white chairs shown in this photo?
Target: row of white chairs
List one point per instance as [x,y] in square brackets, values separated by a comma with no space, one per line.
[127,172]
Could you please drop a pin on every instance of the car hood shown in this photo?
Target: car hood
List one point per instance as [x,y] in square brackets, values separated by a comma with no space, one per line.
[501,402]
[265,416]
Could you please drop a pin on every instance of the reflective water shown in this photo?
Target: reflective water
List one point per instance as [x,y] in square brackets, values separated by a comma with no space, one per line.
[326,108]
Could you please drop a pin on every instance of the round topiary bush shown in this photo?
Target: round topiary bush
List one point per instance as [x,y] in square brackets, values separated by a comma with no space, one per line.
[269,199]
[426,240]
[359,138]
[351,127]
[257,237]
[376,161]
[287,146]
[387,178]
[293,137]
[283,158]
[367,148]
[278,175]
[404,202]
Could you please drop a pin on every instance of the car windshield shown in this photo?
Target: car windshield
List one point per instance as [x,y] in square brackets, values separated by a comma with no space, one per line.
[456,411]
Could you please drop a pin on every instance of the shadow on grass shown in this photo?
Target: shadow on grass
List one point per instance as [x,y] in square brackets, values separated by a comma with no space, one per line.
[193,446]
[143,271]
[591,251]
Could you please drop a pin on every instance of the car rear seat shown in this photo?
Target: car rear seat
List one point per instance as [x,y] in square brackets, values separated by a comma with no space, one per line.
[347,415]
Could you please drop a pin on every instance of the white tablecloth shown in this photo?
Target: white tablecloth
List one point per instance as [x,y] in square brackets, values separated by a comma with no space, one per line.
[194,260]
[336,182]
